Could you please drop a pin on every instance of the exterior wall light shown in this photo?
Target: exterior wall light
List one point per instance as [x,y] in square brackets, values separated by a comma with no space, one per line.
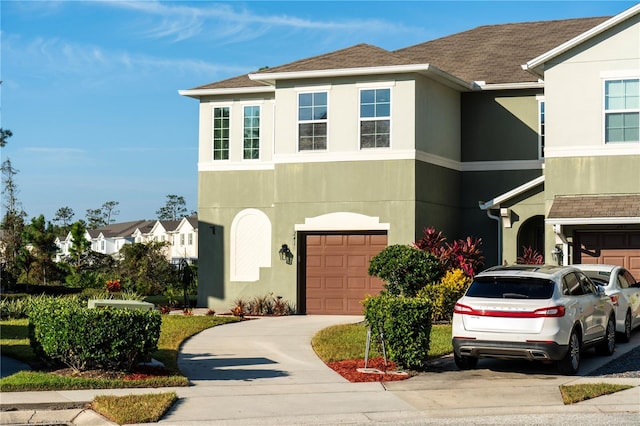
[285,254]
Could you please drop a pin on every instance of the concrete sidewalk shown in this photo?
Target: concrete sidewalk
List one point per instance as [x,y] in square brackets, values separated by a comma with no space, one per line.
[264,371]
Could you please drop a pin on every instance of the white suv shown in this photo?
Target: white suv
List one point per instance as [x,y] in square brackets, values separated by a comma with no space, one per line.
[533,312]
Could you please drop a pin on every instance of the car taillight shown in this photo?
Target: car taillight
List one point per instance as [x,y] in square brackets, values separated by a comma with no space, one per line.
[462,309]
[555,311]
[614,300]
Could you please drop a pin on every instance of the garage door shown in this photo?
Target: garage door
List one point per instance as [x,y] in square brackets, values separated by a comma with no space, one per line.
[337,278]
[610,248]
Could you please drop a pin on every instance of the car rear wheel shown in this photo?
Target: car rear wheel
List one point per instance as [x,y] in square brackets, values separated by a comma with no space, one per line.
[464,362]
[608,345]
[626,335]
[571,361]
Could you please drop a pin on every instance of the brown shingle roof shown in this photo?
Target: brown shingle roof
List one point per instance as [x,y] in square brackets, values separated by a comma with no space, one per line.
[495,53]
[358,56]
[491,53]
[595,206]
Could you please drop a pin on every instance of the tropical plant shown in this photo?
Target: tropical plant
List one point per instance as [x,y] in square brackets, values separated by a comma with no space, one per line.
[530,257]
[464,254]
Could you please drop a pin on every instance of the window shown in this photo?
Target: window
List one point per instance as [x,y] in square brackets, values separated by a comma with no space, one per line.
[511,288]
[375,114]
[251,132]
[622,110]
[190,239]
[312,121]
[221,133]
[181,239]
[541,128]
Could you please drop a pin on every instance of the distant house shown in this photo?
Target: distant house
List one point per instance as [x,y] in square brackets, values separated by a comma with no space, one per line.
[519,134]
[180,236]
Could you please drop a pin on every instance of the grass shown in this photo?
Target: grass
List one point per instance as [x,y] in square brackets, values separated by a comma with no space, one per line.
[131,409]
[342,342]
[175,329]
[576,393]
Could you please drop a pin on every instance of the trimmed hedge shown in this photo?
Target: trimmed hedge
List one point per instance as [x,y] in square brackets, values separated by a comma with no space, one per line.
[406,324]
[65,330]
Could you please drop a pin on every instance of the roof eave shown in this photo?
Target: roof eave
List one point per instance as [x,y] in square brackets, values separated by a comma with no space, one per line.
[426,69]
[198,93]
[592,220]
[495,203]
[536,65]
[481,85]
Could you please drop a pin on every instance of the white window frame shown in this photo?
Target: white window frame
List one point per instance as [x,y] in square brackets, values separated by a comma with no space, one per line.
[213,128]
[606,111]
[361,119]
[541,127]
[244,128]
[312,121]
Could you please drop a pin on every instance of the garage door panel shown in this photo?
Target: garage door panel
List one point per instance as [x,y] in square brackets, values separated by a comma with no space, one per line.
[334,240]
[379,241]
[332,283]
[334,304]
[334,261]
[314,240]
[357,240]
[613,259]
[357,283]
[314,261]
[361,261]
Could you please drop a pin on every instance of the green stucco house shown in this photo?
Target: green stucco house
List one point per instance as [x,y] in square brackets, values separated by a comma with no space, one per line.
[524,135]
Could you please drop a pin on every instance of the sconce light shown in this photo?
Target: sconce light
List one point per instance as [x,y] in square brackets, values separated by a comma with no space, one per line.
[285,254]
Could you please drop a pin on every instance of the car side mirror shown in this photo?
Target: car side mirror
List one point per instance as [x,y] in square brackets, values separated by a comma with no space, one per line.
[600,290]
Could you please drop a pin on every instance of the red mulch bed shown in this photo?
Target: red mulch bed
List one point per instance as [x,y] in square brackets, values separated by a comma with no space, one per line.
[349,370]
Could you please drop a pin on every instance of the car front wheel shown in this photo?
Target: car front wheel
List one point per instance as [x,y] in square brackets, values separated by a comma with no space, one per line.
[464,362]
[608,345]
[571,361]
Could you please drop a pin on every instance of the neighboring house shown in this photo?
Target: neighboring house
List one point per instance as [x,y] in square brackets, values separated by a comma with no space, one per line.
[184,244]
[180,236]
[308,169]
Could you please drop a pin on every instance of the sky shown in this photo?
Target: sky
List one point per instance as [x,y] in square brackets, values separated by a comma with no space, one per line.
[90,88]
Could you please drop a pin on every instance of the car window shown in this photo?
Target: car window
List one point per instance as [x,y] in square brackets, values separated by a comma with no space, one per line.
[622,281]
[571,285]
[630,279]
[598,277]
[511,288]
[587,285]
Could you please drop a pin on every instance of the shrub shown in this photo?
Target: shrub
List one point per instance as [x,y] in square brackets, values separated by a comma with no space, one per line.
[14,307]
[405,269]
[404,324]
[444,294]
[64,330]
[463,254]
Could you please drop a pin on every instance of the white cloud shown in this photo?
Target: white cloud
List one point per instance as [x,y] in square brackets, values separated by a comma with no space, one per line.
[236,23]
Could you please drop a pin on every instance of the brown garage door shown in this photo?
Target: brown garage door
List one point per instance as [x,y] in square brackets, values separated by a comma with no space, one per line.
[337,278]
[610,248]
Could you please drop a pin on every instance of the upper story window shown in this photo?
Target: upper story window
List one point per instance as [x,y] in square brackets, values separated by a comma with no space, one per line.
[622,110]
[221,133]
[541,128]
[181,239]
[312,121]
[375,118]
[251,133]
[190,239]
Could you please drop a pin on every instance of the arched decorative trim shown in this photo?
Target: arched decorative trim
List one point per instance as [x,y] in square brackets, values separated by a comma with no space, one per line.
[250,246]
[342,221]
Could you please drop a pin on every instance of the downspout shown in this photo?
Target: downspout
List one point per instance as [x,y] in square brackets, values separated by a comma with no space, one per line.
[499,220]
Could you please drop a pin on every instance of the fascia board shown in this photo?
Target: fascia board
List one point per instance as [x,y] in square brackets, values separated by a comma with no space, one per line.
[592,220]
[198,93]
[426,69]
[534,65]
[510,194]
[510,86]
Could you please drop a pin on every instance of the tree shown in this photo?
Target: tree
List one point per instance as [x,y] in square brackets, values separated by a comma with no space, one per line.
[79,244]
[12,222]
[40,239]
[63,216]
[145,266]
[174,209]
[97,218]
[4,135]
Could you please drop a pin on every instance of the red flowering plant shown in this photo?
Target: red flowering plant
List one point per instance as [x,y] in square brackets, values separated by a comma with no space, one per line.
[462,254]
[113,286]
